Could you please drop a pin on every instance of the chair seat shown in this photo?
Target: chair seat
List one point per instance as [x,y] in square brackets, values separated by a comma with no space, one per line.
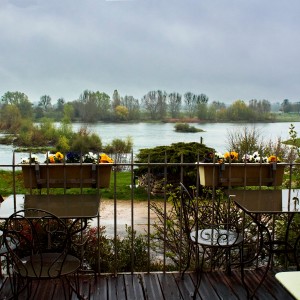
[216,237]
[47,265]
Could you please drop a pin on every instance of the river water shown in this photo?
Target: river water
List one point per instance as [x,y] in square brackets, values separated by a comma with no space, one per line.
[148,135]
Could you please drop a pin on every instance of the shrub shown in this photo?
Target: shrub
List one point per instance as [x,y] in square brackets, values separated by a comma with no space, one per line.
[84,141]
[116,254]
[175,153]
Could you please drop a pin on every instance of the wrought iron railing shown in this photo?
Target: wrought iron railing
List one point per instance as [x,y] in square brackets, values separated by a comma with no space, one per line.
[125,239]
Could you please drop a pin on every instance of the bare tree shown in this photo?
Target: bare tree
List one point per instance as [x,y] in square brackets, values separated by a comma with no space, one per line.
[174,104]
[190,103]
[155,103]
[244,141]
[45,102]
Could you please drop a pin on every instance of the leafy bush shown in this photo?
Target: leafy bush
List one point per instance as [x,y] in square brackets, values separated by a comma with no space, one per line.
[175,153]
[84,141]
[116,254]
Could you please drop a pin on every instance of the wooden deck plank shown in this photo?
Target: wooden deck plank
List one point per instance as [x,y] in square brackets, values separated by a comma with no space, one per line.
[169,287]
[277,290]
[85,286]
[234,281]
[206,290]
[99,288]
[162,286]
[133,287]
[116,287]
[221,286]
[253,278]
[185,285]
[152,287]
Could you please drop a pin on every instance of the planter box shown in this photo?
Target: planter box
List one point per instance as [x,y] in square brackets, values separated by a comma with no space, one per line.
[66,175]
[240,174]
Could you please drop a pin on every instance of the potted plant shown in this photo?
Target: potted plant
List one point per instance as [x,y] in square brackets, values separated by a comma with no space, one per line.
[251,170]
[70,171]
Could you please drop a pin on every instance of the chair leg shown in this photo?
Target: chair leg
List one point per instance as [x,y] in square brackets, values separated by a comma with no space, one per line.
[199,273]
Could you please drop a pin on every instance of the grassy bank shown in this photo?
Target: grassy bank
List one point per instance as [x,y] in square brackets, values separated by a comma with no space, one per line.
[123,190]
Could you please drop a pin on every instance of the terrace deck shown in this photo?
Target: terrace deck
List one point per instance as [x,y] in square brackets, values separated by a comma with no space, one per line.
[169,286]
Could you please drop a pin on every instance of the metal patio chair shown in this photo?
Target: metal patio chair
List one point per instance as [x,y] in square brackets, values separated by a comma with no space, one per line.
[43,253]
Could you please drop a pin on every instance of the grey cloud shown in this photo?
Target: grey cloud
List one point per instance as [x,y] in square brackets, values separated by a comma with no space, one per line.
[226,50]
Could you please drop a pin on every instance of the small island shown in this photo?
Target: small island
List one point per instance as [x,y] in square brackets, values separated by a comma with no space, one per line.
[185,127]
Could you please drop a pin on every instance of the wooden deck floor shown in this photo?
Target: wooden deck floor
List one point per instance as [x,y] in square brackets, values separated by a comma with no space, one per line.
[165,286]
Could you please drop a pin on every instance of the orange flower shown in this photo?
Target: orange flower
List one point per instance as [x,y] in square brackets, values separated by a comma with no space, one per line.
[52,159]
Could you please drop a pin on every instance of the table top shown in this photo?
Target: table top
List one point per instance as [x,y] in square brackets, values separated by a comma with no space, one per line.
[267,201]
[290,280]
[63,206]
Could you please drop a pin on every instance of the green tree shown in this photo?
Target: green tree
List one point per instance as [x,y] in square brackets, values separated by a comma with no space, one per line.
[104,107]
[92,106]
[20,100]
[133,107]
[10,118]
[201,101]
[215,110]
[68,110]
[239,111]
[116,99]
[121,113]
[260,108]
[297,107]
[286,106]
[89,107]
[60,104]
[39,112]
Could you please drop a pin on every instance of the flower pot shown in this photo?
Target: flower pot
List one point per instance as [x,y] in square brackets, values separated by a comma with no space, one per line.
[66,175]
[241,174]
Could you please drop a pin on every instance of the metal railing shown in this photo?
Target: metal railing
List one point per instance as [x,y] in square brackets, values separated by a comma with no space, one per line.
[130,242]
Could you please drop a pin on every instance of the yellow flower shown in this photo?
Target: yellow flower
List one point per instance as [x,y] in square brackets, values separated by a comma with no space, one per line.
[104,158]
[59,156]
[231,156]
[273,158]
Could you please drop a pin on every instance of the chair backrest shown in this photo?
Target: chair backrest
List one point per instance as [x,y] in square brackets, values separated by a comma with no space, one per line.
[36,232]
[188,209]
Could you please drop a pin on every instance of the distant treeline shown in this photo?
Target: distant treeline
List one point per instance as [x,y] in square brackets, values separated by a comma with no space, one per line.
[157,105]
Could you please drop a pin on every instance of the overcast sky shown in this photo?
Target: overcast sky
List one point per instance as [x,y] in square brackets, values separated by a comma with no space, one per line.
[228,50]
